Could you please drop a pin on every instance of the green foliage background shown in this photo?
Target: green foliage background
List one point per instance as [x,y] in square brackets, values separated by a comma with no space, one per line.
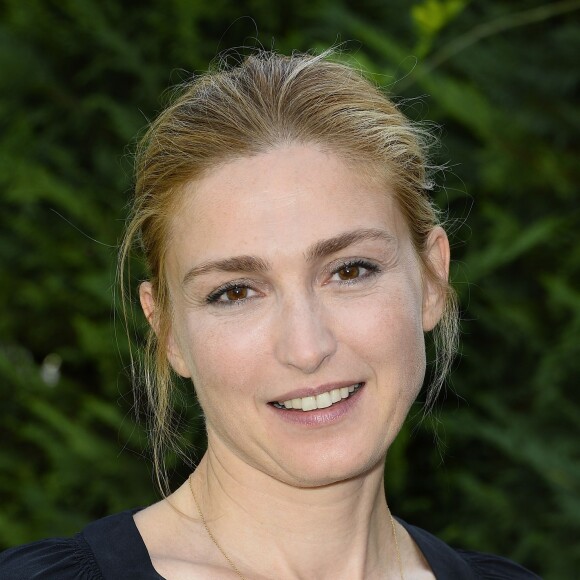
[497,467]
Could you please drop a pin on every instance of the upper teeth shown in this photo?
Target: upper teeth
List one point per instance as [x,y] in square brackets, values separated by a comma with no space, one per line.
[320,401]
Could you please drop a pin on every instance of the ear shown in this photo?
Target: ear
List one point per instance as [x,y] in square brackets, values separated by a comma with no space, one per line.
[438,255]
[174,355]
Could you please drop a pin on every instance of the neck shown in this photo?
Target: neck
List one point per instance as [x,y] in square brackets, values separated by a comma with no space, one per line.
[274,529]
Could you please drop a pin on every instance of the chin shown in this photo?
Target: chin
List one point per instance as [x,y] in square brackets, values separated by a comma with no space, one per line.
[330,469]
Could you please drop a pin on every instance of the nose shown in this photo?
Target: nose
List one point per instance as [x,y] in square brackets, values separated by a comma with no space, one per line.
[305,338]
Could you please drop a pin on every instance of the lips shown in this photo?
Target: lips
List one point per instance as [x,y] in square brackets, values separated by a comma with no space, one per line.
[321,400]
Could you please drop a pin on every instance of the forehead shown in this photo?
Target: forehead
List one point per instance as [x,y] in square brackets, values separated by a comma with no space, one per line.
[279,202]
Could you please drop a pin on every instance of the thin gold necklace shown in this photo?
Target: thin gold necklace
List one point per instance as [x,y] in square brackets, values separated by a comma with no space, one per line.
[234,567]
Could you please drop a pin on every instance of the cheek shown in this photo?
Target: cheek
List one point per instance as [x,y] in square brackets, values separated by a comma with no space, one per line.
[222,358]
[386,331]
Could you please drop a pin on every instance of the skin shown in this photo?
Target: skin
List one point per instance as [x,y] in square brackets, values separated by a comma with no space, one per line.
[287,500]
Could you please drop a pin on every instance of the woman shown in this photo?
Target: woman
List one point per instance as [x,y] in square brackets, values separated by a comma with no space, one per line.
[296,263]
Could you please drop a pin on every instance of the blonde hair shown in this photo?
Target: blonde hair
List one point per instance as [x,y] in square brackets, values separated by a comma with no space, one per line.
[263,102]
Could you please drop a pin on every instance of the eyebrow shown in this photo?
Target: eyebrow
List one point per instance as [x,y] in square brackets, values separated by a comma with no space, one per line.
[320,249]
[249,264]
[332,245]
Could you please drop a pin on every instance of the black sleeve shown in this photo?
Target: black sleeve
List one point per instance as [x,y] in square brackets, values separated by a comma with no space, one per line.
[488,567]
[53,559]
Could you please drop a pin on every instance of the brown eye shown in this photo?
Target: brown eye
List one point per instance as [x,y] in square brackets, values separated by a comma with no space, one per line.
[237,293]
[349,272]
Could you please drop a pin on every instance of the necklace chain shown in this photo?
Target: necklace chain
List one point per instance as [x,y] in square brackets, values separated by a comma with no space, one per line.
[235,568]
[232,565]
[396,545]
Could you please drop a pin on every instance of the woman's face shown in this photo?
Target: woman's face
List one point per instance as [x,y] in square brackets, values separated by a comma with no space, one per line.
[293,281]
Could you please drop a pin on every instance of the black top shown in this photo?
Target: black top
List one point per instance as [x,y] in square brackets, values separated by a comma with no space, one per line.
[112,549]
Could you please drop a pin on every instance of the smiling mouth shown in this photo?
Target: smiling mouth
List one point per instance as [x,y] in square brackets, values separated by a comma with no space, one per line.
[322,401]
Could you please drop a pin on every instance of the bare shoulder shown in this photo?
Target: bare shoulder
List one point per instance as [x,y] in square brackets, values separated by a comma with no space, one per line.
[178,570]
[177,542]
[414,562]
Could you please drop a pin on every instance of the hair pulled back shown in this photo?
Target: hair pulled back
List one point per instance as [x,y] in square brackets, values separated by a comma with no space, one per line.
[267,101]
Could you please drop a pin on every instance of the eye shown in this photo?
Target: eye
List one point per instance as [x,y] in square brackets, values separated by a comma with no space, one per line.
[236,293]
[352,272]
[349,272]
[230,294]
